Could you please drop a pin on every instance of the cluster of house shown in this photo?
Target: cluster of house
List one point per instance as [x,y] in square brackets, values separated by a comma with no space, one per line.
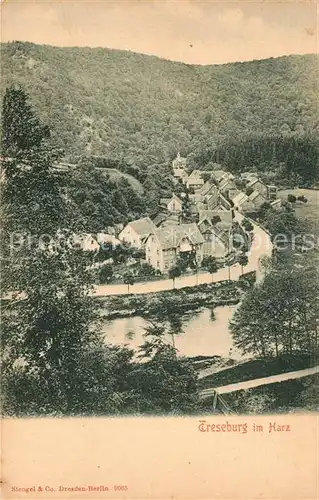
[212,204]
[256,191]
[210,199]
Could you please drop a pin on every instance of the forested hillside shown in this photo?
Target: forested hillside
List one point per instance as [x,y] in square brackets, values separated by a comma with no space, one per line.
[103,199]
[142,109]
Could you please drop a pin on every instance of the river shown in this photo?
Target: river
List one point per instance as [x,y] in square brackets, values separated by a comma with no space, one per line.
[204,333]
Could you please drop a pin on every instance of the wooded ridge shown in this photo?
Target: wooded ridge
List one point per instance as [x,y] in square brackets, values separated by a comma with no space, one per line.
[141,109]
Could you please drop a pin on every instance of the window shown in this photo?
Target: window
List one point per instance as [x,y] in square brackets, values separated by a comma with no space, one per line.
[157,263]
[157,252]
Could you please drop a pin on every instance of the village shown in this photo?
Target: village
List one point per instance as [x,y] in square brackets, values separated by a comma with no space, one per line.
[203,224]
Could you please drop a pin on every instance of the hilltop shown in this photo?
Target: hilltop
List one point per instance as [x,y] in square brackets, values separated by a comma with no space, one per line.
[141,109]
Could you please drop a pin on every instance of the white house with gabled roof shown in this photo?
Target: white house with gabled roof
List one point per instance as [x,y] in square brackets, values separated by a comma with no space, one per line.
[242,203]
[173,204]
[258,185]
[136,231]
[195,180]
[257,199]
[165,245]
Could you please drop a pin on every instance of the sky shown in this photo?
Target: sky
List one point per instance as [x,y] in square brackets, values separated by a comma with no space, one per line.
[192,31]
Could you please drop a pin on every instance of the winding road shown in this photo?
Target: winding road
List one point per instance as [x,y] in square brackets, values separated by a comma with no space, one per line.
[261,245]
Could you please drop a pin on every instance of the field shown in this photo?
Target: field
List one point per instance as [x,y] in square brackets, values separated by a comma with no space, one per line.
[307,211]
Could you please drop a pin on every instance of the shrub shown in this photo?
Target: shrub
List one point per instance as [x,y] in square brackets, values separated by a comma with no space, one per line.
[215,219]
[302,198]
[291,198]
[248,225]
[147,270]
[106,274]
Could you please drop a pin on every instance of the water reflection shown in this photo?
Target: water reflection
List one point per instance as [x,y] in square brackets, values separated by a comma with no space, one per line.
[205,333]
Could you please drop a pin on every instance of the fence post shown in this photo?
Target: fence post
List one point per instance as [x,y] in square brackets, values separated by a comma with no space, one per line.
[215,400]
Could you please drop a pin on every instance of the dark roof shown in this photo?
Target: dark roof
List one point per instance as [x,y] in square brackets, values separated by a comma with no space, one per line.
[223,201]
[212,201]
[159,218]
[216,199]
[225,215]
[254,195]
[171,220]
[226,183]
[253,182]
[164,201]
[221,230]
[207,188]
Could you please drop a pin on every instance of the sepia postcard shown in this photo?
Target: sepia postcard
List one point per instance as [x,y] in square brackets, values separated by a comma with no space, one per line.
[159,249]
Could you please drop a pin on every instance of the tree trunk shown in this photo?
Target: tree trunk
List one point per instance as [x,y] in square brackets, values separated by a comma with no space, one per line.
[173,339]
[276,345]
[257,349]
[290,336]
[229,273]
[308,331]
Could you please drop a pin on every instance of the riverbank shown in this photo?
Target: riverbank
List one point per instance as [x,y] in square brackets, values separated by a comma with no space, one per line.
[180,300]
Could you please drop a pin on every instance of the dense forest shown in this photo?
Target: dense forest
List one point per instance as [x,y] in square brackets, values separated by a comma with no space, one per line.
[285,159]
[139,110]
